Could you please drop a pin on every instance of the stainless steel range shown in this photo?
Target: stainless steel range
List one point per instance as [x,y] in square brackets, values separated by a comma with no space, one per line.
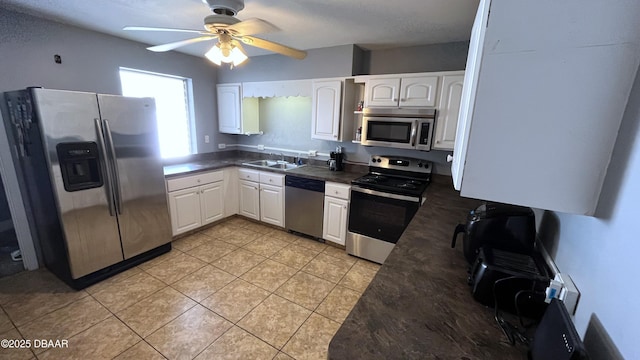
[383,202]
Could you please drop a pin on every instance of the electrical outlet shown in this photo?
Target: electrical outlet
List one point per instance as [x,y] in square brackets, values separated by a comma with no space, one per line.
[313,153]
[206,139]
[569,293]
[260,147]
[222,146]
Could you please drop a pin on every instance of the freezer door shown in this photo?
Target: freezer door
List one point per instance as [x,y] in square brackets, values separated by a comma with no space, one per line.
[70,134]
[141,199]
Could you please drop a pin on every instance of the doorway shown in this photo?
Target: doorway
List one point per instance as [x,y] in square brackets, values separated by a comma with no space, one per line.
[10,255]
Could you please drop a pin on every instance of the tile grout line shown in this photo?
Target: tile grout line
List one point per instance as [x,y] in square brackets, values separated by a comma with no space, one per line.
[15,327]
[171,286]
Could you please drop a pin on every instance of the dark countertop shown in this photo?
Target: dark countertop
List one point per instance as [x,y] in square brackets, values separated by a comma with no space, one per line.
[419,305]
[307,171]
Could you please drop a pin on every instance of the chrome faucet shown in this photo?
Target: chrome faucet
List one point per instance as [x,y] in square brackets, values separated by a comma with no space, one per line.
[281,156]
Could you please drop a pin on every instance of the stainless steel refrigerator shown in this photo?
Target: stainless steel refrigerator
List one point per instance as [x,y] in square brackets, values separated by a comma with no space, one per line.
[90,166]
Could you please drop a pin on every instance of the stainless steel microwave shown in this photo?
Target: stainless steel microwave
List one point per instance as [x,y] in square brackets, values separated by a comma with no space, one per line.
[398,128]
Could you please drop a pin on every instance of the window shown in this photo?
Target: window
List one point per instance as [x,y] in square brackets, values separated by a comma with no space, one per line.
[173,107]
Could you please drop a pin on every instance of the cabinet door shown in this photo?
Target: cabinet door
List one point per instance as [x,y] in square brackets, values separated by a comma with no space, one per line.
[211,202]
[184,206]
[229,109]
[230,190]
[448,111]
[472,72]
[272,205]
[335,220]
[325,120]
[382,92]
[418,91]
[250,199]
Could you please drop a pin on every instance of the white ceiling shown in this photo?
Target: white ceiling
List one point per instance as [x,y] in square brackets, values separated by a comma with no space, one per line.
[304,24]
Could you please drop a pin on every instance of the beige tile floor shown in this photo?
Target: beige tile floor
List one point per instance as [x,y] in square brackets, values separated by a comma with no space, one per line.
[237,290]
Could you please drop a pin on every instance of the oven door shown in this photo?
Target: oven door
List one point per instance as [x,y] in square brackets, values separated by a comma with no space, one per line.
[389,132]
[380,215]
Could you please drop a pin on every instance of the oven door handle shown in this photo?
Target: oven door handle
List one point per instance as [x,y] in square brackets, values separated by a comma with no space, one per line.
[384,194]
[414,132]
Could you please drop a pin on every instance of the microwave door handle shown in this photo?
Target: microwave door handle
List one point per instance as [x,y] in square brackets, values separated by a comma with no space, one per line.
[414,131]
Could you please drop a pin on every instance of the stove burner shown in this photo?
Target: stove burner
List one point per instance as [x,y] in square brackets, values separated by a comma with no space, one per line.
[374,179]
[409,185]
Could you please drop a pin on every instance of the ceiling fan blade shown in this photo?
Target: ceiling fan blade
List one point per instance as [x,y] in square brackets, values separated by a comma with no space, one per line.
[252,26]
[238,44]
[272,46]
[177,44]
[144,28]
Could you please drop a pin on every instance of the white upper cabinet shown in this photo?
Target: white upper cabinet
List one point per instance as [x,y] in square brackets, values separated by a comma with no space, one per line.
[545,89]
[404,91]
[325,118]
[418,91]
[236,115]
[450,94]
[382,92]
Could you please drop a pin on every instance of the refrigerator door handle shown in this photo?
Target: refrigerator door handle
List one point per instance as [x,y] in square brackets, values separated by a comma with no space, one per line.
[114,166]
[104,165]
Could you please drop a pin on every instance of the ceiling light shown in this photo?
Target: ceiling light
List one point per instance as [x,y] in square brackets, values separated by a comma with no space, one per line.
[226,52]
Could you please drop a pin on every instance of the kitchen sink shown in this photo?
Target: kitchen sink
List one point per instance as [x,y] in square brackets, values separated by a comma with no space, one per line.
[262,163]
[272,164]
[284,166]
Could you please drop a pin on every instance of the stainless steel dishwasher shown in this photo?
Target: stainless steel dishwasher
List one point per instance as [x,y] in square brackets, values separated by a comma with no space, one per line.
[304,205]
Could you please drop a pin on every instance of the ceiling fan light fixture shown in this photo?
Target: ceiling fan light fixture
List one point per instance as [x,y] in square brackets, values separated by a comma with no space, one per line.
[226,53]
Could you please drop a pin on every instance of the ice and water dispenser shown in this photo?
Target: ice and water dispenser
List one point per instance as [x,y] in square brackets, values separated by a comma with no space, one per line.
[80,165]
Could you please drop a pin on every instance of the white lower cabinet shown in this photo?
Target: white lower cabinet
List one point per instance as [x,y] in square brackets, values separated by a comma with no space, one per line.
[272,204]
[249,199]
[262,196]
[195,200]
[336,212]
[211,202]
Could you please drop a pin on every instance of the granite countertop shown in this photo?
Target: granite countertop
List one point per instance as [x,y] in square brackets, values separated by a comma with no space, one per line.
[419,305]
[306,171]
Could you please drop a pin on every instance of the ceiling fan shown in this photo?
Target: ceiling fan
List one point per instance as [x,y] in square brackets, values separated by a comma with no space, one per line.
[230,32]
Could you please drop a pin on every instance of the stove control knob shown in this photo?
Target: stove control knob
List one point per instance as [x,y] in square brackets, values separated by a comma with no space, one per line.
[379,160]
[373,159]
[419,164]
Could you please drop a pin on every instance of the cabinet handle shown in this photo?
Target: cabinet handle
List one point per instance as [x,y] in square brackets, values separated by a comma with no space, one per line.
[396,99]
[198,180]
[270,180]
[335,136]
[337,192]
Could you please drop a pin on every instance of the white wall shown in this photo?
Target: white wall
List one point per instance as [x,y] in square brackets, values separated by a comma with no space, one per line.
[435,57]
[324,62]
[90,62]
[602,253]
